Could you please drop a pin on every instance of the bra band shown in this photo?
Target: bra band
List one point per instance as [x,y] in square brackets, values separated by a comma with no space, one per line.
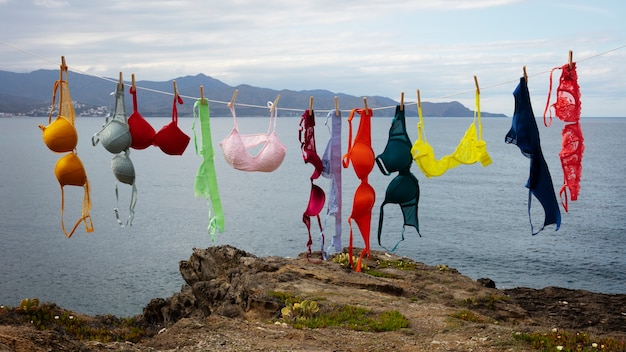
[205,184]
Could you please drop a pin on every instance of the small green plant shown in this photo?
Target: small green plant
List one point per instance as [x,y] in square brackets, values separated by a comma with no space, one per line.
[442,267]
[398,264]
[470,316]
[378,273]
[562,340]
[343,259]
[354,318]
[300,310]
[48,316]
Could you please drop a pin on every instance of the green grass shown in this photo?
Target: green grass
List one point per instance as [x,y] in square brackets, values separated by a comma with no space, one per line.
[567,341]
[48,316]
[354,318]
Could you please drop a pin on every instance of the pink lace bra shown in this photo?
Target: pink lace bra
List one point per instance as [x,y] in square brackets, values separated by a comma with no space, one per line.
[236,146]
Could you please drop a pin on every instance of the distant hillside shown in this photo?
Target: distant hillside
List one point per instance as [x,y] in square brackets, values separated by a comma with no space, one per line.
[31,93]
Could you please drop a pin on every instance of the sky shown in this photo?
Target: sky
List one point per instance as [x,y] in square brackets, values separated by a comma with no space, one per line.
[356,47]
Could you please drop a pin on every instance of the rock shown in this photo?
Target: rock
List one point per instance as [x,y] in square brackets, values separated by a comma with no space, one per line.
[486,282]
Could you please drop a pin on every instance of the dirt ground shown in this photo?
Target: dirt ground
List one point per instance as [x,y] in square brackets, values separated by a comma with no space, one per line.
[427,296]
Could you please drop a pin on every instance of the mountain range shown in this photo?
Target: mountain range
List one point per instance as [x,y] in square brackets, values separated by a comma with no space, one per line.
[30,94]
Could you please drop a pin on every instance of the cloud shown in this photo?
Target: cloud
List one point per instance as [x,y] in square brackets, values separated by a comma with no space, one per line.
[51,3]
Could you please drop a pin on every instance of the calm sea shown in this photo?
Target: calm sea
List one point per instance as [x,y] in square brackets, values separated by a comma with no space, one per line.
[472,218]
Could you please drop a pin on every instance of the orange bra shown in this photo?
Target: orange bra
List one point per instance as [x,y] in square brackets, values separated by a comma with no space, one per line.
[60,136]
[362,156]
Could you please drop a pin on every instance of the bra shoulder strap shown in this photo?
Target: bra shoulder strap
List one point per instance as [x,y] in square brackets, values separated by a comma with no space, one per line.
[85,215]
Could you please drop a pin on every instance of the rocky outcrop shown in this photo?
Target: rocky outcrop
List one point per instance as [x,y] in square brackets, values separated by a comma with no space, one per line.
[219,280]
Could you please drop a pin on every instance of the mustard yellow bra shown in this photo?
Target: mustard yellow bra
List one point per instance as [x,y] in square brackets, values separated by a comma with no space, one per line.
[60,136]
[471,149]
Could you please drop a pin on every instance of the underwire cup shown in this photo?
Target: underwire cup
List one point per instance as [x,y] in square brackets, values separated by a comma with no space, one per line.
[60,136]
[362,157]
[123,169]
[114,136]
[316,201]
[124,172]
[567,106]
[571,161]
[69,171]
[403,190]
[171,139]
[142,133]
[362,205]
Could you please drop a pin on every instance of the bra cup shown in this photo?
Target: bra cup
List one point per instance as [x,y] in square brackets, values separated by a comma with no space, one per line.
[274,155]
[362,157]
[316,201]
[141,132]
[115,136]
[123,169]
[393,160]
[363,203]
[229,148]
[171,139]
[69,171]
[401,189]
[269,158]
[60,136]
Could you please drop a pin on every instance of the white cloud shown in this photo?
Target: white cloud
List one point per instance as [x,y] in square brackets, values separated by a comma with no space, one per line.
[51,3]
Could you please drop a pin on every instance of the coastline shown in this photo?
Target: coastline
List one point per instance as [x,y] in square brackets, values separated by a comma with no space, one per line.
[230,303]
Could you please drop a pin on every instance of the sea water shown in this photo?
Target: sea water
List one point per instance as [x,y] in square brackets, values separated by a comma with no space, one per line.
[472,218]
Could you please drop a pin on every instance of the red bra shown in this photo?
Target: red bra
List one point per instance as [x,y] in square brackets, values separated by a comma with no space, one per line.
[317,197]
[170,138]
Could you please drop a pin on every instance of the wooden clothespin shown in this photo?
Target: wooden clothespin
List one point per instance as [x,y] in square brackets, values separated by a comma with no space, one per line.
[133,87]
[273,108]
[311,106]
[571,59]
[120,83]
[477,87]
[401,101]
[419,100]
[336,105]
[175,89]
[365,103]
[231,104]
[202,100]
[525,74]
[63,68]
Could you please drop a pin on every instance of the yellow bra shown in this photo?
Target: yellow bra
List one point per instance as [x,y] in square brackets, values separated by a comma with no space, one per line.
[471,149]
[60,136]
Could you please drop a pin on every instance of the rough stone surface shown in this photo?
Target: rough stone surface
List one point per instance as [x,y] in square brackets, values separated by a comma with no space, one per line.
[227,305]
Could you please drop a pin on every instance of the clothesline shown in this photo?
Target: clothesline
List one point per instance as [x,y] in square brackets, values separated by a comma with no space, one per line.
[300,109]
